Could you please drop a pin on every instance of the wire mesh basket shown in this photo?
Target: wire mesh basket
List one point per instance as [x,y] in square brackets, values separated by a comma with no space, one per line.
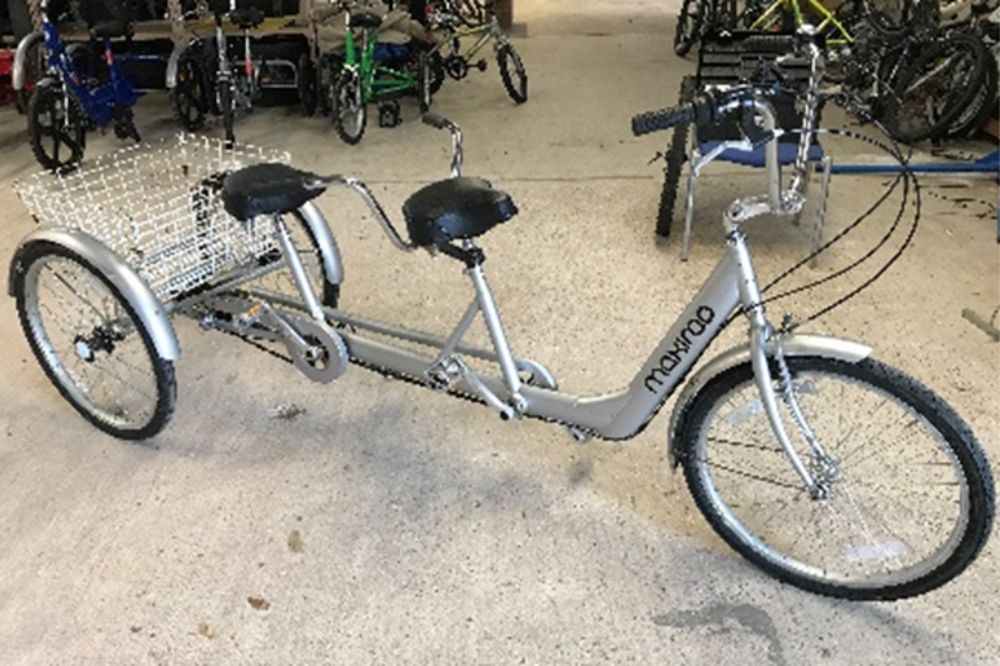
[159,207]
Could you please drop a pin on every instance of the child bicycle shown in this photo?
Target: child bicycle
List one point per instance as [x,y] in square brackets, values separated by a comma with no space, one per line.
[362,79]
[823,466]
[457,23]
[66,103]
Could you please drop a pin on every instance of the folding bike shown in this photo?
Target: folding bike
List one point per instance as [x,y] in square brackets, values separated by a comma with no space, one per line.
[823,466]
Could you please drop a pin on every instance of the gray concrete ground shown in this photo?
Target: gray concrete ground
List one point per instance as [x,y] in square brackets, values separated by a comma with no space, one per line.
[387,524]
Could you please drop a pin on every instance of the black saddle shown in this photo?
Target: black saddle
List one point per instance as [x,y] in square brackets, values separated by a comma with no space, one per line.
[247,18]
[111,29]
[365,20]
[268,189]
[455,208]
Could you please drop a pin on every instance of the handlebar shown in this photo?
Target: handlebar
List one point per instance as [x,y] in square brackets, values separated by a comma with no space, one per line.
[440,122]
[704,109]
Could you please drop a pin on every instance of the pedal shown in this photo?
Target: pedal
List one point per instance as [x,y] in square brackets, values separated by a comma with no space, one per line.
[481,65]
[388,114]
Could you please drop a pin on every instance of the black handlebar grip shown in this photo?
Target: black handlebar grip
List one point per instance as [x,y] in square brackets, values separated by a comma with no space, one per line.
[434,120]
[654,121]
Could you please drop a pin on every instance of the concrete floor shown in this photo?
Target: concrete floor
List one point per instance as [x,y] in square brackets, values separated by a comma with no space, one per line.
[387,524]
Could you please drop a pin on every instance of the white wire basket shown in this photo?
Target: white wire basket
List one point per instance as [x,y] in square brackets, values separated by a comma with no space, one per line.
[159,208]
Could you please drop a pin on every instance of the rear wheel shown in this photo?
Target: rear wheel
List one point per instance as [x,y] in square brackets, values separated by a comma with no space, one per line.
[513,74]
[91,344]
[282,282]
[688,27]
[305,77]
[189,97]
[57,127]
[349,112]
[909,498]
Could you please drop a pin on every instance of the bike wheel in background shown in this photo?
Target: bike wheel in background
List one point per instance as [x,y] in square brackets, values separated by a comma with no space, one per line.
[56,127]
[189,96]
[512,73]
[688,27]
[982,106]
[935,89]
[349,108]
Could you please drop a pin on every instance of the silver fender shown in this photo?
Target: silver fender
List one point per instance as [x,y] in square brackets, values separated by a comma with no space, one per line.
[324,238]
[132,287]
[172,61]
[792,345]
[21,55]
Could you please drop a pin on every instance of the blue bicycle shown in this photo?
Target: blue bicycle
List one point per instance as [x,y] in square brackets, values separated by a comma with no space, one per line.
[68,102]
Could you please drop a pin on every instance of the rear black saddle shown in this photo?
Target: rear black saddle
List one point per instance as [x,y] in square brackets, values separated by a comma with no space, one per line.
[112,29]
[247,18]
[268,189]
[365,20]
[454,209]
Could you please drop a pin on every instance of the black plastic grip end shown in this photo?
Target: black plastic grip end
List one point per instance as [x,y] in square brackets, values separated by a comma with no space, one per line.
[434,120]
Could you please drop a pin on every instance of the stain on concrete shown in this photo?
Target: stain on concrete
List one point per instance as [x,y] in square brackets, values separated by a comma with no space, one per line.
[721,618]
[579,471]
[258,603]
[206,630]
[295,541]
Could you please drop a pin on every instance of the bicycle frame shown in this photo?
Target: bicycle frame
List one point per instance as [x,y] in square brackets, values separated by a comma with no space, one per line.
[795,7]
[98,103]
[485,32]
[376,81]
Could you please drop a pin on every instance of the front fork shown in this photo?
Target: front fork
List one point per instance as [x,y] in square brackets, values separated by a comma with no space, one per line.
[765,345]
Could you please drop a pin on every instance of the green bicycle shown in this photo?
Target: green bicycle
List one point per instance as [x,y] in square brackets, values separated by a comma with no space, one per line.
[456,20]
[363,79]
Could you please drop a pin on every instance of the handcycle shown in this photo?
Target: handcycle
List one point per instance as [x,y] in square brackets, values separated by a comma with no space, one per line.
[206,81]
[821,465]
[458,21]
[67,102]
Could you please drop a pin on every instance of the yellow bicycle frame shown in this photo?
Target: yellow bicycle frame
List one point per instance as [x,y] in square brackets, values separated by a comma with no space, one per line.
[796,8]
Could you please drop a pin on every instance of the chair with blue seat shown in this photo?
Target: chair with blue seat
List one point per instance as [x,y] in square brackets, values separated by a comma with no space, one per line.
[730,59]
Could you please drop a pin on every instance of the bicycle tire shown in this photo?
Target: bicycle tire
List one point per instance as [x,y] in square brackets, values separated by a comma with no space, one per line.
[228,112]
[982,106]
[922,408]
[26,278]
[949,97]
[346,88]
[506,54]
[675,158]
[34,71]
[688,27]
[305,82]
[45,100]
[188,94]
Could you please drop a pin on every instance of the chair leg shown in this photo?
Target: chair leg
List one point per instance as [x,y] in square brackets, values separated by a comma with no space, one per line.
[810,169]
[821,212]
[688,215]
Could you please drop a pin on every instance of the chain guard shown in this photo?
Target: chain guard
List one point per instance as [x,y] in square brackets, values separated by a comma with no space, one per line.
[333,355]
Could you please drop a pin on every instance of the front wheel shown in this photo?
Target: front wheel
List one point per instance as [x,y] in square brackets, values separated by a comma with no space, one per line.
[688,27]
[513,74]
[909,500]
[91,343]
[56,127]
[349,112]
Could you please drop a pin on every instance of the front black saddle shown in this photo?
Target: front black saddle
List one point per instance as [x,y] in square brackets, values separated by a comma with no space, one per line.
[365,20]
[454,209]
[247,18]
[268,189]
[112,29]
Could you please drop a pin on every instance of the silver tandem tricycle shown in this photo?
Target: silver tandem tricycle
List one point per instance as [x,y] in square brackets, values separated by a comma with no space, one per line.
[821,465]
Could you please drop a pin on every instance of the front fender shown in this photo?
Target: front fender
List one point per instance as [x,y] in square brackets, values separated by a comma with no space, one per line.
[132,287]
[172,62]
[21,57]
[791,345]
